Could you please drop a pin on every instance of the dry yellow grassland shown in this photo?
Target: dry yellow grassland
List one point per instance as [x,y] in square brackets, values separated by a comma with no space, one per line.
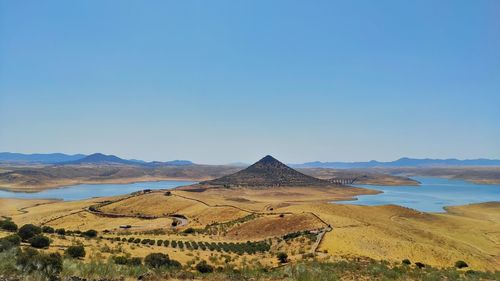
[85,221]
[103,249]
[157,204]
[274,226]
[484,211]
[470,233]
[10,207]
[395,233]
[39,214]
[265,199]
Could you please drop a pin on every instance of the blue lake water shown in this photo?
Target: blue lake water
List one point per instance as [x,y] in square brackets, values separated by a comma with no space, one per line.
[85,191]
[431,196]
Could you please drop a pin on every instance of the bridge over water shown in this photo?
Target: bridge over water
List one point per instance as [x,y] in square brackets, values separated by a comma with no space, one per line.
[343,181]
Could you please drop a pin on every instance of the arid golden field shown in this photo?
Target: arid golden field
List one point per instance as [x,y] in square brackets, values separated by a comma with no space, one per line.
[249,218]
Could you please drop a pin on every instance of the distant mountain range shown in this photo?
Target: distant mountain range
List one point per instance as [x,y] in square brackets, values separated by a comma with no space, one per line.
[101,159]
[81,159]
[50,158]
[402,162]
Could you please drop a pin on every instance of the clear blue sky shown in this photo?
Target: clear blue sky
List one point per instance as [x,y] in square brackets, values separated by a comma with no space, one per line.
[226,81]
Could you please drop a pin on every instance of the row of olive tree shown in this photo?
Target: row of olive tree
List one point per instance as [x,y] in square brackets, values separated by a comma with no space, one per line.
[240,248]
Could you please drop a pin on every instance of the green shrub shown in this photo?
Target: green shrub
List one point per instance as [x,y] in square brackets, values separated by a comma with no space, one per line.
[189,230]
[47,265]
[204,267]
[406,262]
[24,258]
[461,264]
[76,251]
[120,260]
[47,229]
[157,260]
[28,231]
[174,264]
[9,242]
[39,241]
[419,265]
[8,225]
[91,233]
[151,242]
[174,244]
[13,239]
[135,261]
[159,242]
[137,240]
[61,231]
[282,257]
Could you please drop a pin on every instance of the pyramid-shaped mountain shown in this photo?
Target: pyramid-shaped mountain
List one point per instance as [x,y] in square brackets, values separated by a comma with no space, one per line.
[266,172]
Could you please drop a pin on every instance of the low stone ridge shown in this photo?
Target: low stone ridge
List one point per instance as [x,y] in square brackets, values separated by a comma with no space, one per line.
[267,172]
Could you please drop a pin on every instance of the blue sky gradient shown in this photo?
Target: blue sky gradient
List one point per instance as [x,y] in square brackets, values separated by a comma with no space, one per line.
[226,81]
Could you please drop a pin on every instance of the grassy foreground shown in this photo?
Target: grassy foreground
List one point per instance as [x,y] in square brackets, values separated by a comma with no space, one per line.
[13,267]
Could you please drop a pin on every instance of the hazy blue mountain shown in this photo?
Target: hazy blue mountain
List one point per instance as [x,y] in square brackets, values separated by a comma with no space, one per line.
[402,162]
[169,163]
[77,159]
[99,158]
[178,163]
[49,158]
